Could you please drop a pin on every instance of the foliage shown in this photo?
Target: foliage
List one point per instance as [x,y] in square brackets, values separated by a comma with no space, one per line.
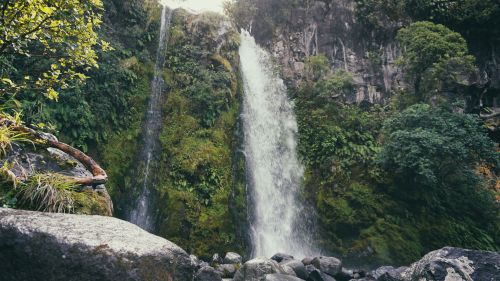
[379,16]
[434,57]
[478,16]
[197,138]
[60,31]
[48,193]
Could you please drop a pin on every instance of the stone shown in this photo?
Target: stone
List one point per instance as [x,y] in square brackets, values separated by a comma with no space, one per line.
[317,275]
[232,258]
[48,246]
[279,257]
[216,259]
[207,273]
[455,264]
[307,260]
[288,270]
[329,265]
[281,277]
[298,267]
[387,273]
[257,269]
[226,270]
[310,268]
[344,275]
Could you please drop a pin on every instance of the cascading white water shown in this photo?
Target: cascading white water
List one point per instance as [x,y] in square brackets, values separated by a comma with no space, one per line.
[141,215]
[274,171]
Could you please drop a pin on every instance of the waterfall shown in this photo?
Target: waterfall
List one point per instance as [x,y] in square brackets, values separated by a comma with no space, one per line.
[273,169]
[142,215]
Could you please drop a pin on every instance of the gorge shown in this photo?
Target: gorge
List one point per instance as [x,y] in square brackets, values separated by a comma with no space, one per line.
[360,133]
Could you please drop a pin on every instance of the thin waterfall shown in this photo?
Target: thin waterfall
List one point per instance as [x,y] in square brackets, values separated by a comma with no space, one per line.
[273,169]
[142,214]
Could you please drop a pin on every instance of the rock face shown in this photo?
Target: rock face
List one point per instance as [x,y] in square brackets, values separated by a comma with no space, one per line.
[43,246]
[454,264]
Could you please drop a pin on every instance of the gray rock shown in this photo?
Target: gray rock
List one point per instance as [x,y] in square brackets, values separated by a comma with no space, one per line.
[216,259]
[288,270]
[307,260]
[345,275]
[281,277]
[317,275]
[298,267]
[329,265]
[232,258]
[226,270]
[279,257]
[207,273]
[43,246]
[310,268]
[387,273]
[257,269]
[454,264]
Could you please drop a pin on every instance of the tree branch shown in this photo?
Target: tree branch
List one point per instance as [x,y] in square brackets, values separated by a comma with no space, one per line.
[99,176]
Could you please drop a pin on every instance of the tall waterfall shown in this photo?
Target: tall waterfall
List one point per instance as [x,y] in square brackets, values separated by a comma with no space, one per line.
[274,172]
[142,215]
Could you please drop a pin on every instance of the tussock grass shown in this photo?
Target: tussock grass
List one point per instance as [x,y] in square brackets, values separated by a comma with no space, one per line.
[53,193]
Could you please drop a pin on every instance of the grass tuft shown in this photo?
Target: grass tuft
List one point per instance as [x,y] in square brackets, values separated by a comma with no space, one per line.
[51,193]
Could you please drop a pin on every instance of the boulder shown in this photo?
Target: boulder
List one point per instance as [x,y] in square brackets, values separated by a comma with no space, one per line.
[387,273]
[298,267]
[46,246]
[216,259]
[279,257]
[454,264]
[226,270]
[345,275]
[232,258]
[281,277]
[317,275]
[257,269]
[207,273]
[307,260]
[329,265]
[288,270]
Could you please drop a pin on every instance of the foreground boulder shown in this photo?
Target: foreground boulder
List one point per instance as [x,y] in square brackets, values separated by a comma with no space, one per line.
[52,247]
[454,264]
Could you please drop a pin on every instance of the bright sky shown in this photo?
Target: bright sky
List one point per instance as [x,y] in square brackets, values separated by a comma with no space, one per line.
[196,5]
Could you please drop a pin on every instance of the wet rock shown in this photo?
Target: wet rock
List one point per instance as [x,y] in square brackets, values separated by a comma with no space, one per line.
[257,269]
[454,264]
[298,267]
[232,258]
[345,275]
[216,259]
[279,257]
[329,265]
[288,270]
[307,260]
[207,273]
[281,277]
[387,273]
[226,270]
[317,275]
[310,268]
[45,246]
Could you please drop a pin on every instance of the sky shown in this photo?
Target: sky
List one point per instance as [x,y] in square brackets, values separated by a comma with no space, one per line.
[196,5]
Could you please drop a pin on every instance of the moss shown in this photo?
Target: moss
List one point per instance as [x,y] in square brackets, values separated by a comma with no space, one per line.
[90,202]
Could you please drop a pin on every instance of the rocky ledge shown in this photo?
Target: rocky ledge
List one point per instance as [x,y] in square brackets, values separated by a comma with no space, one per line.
[53,247]
[46,246]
